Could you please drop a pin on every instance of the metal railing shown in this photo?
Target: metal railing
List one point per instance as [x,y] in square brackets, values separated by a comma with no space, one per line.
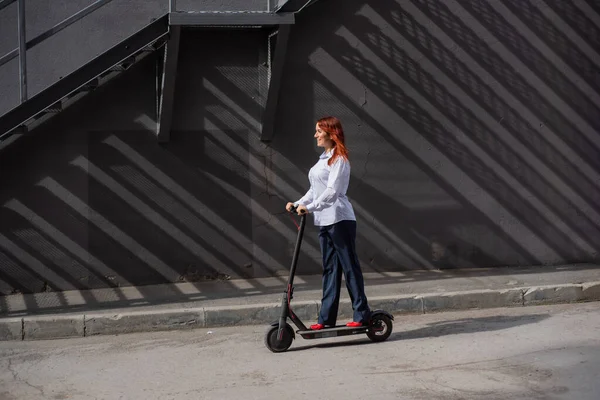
[25,45]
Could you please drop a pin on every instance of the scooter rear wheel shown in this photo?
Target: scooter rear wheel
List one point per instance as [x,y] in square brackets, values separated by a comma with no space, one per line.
[275,345]
[380,328]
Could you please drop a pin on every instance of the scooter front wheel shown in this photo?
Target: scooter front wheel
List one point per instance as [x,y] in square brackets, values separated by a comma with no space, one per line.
[380,328]
[278,346]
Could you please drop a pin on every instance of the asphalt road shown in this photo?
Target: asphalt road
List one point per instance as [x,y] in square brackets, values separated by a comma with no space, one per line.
[529,353]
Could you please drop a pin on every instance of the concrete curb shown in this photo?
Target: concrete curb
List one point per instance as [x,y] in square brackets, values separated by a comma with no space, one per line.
[106,323]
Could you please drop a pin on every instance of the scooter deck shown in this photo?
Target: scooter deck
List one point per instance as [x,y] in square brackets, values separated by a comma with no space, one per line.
[339,330]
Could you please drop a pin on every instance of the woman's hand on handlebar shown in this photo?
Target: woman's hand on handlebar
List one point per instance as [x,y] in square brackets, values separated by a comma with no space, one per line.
[302,210]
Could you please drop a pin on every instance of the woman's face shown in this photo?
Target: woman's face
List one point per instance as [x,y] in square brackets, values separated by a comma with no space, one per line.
[323,139]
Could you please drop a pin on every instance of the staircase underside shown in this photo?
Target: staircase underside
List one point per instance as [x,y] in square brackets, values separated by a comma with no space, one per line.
[162,32]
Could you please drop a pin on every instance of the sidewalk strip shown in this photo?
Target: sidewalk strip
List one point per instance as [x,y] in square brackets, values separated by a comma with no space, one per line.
[107,323]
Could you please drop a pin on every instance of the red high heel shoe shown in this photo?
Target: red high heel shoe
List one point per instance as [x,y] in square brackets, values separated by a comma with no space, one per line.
[354,324]
[316,327]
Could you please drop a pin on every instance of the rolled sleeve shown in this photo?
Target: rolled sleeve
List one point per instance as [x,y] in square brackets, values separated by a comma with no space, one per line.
[306,199]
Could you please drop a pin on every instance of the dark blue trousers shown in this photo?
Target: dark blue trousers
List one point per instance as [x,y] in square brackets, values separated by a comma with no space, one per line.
[339,256]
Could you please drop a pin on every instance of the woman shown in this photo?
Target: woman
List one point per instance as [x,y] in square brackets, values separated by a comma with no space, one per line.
[326,200]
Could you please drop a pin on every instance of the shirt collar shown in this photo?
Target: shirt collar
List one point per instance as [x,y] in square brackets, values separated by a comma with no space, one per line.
[327,154]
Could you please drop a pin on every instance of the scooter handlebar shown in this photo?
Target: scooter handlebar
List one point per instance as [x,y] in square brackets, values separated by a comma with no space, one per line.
[294,210]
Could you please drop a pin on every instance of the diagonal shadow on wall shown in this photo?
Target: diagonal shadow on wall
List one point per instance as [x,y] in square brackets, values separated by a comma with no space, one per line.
[578,20]
[441,15]
[485,95]
[446,142]
[400,61]
[532,57]
[558,42]
[594,4]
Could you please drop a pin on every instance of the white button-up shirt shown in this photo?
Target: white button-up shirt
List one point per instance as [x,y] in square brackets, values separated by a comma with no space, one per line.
[326,199]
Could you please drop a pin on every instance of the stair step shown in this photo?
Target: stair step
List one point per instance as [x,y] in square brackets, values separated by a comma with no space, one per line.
[154,46]
[91,85]
[20,130]
[54,108]
[124,65]
[12,135]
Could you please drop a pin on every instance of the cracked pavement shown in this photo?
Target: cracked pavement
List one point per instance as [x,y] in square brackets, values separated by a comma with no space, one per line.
[543,352]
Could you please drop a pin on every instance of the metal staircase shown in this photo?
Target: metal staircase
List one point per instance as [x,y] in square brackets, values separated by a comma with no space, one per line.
[163,32]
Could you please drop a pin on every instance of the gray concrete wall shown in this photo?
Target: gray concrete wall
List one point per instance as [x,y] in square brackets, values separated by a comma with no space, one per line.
[472,127]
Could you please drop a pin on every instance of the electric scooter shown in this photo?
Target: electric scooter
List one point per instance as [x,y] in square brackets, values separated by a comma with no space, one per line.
[280,335]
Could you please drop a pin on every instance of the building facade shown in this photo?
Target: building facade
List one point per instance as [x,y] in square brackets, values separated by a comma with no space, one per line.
[473,128]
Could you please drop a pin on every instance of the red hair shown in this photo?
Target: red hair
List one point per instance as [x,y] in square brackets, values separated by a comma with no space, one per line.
[333,127]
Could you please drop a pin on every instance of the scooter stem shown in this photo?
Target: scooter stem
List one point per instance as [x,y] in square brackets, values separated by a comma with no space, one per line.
[297,250]
[287,295]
